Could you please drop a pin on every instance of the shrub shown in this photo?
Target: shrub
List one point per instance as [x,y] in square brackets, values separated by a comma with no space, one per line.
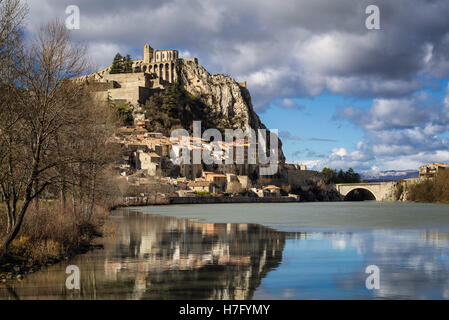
[431,189]
[202,193]
[50,232]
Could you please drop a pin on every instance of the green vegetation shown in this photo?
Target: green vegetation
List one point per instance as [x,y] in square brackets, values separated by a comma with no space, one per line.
[117,64]
[125,114]
[348,176]
[175,108]
[202,193]
[431,189]
[121,64]
[128,64]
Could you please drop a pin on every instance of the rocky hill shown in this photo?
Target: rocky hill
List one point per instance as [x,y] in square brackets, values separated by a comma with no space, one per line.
[226,97]
[228,100]
[217,100]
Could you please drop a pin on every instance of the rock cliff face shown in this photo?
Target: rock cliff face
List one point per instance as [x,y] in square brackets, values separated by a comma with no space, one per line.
[226,97]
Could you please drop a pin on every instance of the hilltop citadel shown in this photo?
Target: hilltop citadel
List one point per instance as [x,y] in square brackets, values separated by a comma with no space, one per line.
[152,74]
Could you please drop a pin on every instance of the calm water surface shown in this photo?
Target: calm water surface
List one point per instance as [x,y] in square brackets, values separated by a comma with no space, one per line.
[259,251]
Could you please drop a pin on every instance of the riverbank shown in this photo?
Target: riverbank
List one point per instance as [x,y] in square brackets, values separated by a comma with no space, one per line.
[50,235]
[211,200]
[150,201]
[15,268]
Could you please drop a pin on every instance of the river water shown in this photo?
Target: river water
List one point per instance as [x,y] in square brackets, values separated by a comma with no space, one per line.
[259,251]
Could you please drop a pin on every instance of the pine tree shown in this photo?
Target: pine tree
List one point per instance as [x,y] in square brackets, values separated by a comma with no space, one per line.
[117,64]
[128,65]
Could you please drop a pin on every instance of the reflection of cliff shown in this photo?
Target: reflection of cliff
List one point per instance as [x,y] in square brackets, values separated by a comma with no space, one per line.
[171,258]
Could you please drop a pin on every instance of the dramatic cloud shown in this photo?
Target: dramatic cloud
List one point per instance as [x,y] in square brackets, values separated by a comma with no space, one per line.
[299,48]
[395,113]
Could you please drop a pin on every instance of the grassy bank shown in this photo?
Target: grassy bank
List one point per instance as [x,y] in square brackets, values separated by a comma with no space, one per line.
[49,234]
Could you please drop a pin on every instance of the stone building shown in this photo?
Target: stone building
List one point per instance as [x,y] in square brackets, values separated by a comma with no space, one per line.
[432,169]
[148,161]
[200,186]
[149,75]
[161,63]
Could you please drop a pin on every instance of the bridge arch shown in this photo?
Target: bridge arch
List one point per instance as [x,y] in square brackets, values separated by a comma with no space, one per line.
[360,194]
[382,191]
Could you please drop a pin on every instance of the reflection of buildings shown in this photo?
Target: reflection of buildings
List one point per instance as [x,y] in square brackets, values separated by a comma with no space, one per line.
[436,238]
[154,257]
[169,258]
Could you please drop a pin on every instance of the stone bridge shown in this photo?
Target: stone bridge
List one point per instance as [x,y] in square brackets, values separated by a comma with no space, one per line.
[381,191]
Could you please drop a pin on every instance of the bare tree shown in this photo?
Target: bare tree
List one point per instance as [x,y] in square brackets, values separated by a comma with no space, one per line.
[12,17]
[41,107]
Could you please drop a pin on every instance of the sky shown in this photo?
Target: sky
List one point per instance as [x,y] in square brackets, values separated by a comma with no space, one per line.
[340,95]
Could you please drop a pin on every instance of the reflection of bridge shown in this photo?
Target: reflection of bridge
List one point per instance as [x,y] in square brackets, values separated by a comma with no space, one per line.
[381,191]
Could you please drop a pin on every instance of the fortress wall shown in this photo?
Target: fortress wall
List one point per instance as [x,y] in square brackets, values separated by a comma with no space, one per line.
[155,84]
[128,80]
[129,94]
[132,95]
[145,93]
[194,60]
[101,86]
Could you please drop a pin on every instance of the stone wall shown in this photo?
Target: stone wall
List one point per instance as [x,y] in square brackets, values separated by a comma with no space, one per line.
[204,200]
[128,80]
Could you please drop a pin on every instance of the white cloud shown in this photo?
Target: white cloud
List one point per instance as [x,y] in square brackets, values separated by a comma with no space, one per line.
[101,53]
[341,152]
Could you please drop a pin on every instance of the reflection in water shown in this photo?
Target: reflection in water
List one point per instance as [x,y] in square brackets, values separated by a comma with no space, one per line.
[155,257]
[170,258]
[160,257]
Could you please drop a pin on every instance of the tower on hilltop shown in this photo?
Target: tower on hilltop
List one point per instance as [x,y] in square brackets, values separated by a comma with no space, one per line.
[147,53]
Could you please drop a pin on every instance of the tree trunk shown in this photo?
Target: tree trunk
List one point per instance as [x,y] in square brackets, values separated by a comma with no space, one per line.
[92,192]
[16,228]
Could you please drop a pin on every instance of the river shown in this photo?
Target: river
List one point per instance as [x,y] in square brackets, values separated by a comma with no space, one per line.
[259,251]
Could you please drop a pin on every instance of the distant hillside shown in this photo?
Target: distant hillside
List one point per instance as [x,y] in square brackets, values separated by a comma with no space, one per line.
[391,175]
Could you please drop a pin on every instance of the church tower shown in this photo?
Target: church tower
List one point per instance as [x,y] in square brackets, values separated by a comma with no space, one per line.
[147,53]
